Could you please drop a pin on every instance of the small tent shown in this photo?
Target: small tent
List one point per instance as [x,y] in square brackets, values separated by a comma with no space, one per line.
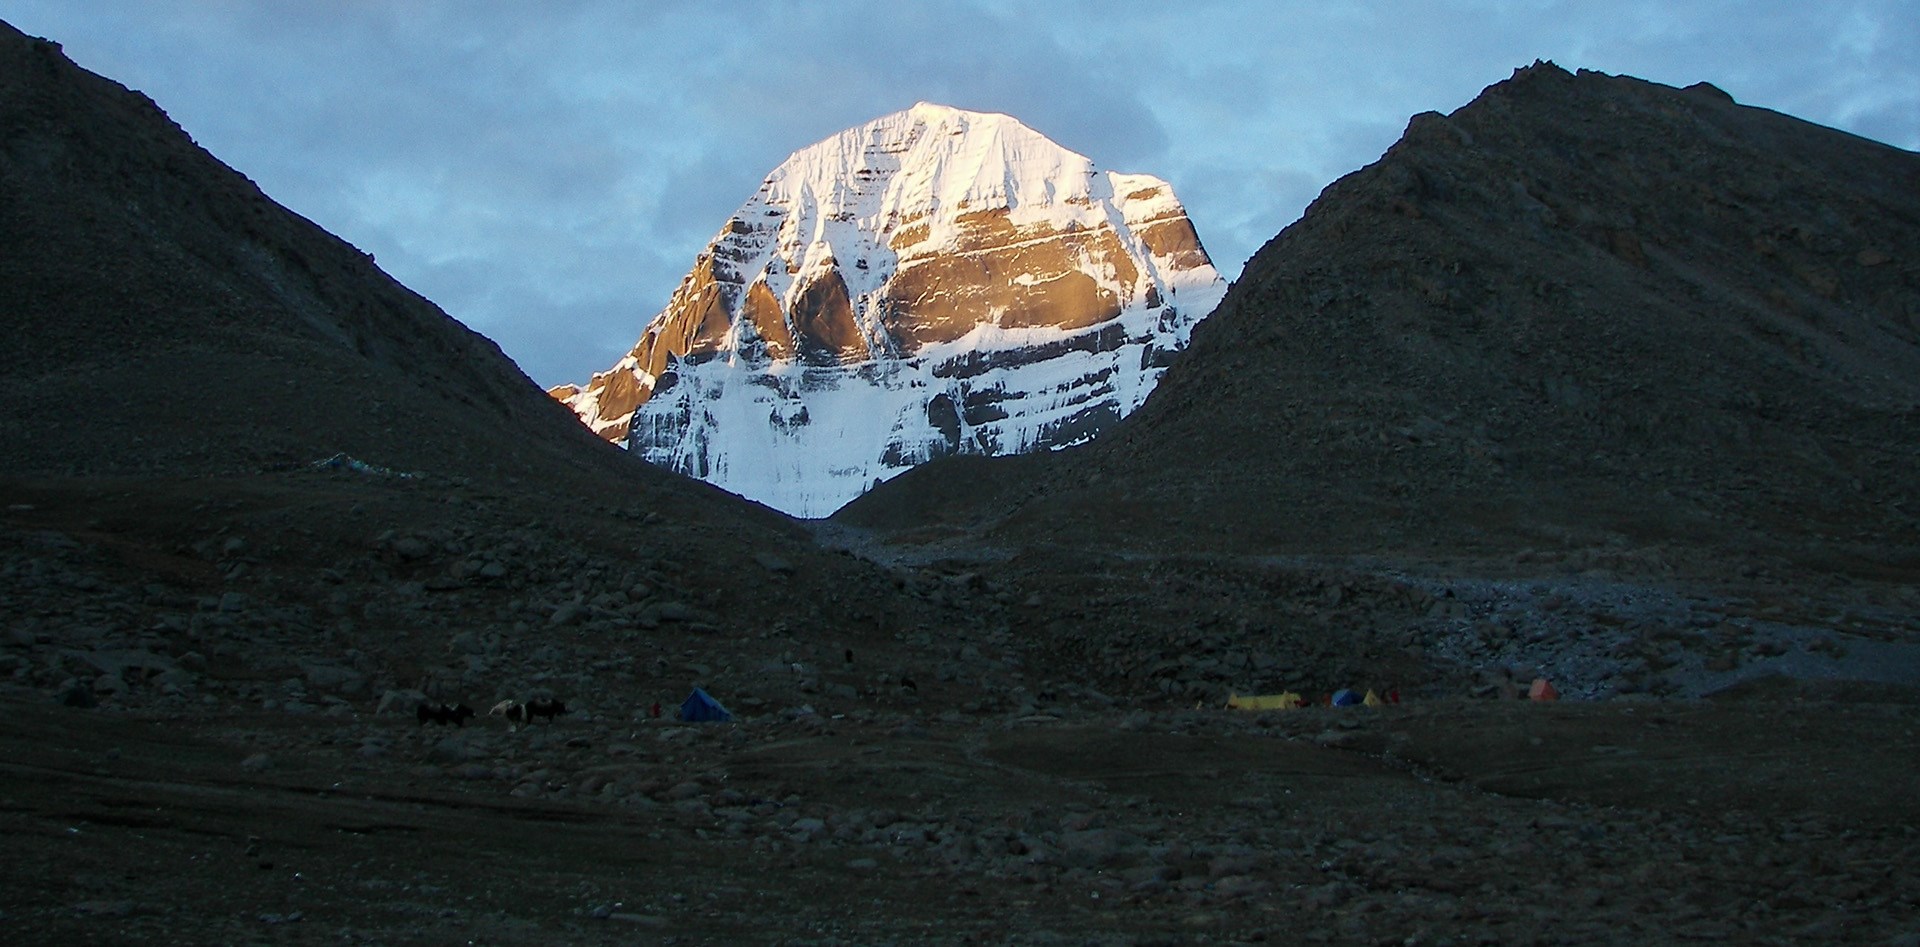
[1542,690]
[1346,697]
[700,706]
[1286,700]
[1372,699]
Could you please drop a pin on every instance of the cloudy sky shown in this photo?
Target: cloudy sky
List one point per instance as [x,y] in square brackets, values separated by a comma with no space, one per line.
[547,171]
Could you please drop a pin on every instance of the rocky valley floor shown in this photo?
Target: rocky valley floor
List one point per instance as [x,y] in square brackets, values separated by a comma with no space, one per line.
[208,736]
[1755,821]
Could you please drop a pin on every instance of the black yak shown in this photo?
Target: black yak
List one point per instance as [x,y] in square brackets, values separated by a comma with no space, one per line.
[456,715]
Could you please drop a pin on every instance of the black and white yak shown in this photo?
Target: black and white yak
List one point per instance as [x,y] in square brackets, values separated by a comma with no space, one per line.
[517,712]
[513,710]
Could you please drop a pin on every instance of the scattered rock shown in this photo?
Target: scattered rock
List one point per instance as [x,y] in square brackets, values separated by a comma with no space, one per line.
[411,547]
[777,565]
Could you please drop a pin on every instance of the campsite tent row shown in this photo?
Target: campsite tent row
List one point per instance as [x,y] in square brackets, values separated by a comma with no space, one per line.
[1288,700]
[1542,689]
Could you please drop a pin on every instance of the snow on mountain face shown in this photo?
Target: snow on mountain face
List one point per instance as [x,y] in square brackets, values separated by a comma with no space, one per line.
[933,282]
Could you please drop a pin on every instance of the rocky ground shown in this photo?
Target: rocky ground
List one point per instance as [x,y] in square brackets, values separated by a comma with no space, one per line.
[1758,821]
[209,737]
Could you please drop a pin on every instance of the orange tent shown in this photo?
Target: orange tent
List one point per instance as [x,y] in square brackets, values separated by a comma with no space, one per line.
[1541,690]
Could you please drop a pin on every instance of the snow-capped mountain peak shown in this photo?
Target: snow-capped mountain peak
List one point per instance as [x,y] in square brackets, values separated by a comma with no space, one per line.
[931,282]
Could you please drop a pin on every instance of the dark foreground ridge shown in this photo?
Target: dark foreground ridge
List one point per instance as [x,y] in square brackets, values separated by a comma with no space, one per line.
[276,536]
[166,317]
[1582,313]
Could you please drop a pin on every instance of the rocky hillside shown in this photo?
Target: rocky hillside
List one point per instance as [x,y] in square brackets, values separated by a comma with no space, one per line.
[165,316]
[1581,312]
[229,435]
[933,282]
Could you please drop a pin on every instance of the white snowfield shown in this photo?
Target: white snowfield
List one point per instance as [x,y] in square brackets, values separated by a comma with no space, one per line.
[871,203]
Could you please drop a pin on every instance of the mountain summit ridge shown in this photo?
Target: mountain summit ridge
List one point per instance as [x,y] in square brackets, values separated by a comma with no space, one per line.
[935,281]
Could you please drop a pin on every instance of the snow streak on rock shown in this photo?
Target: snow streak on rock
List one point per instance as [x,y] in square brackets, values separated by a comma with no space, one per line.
[936,281]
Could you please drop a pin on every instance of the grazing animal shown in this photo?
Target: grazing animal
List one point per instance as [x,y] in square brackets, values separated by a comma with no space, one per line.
[542,707]
[456,715]
[513,710]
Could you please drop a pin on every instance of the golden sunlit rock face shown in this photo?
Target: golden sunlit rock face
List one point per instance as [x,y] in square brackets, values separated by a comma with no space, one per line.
[993,273]
[769,322]
[934,241]
[1012,276]
[823,323]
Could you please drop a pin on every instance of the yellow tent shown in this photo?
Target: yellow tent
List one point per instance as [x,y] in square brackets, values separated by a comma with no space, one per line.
[1373,699]
[1282,701]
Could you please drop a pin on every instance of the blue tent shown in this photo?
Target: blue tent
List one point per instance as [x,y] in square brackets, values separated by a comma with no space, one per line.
[700,706]
[1347,698]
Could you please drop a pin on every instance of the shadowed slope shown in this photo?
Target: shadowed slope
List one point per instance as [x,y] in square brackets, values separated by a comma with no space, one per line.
[163,316]
[178,351]
[1582,310]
